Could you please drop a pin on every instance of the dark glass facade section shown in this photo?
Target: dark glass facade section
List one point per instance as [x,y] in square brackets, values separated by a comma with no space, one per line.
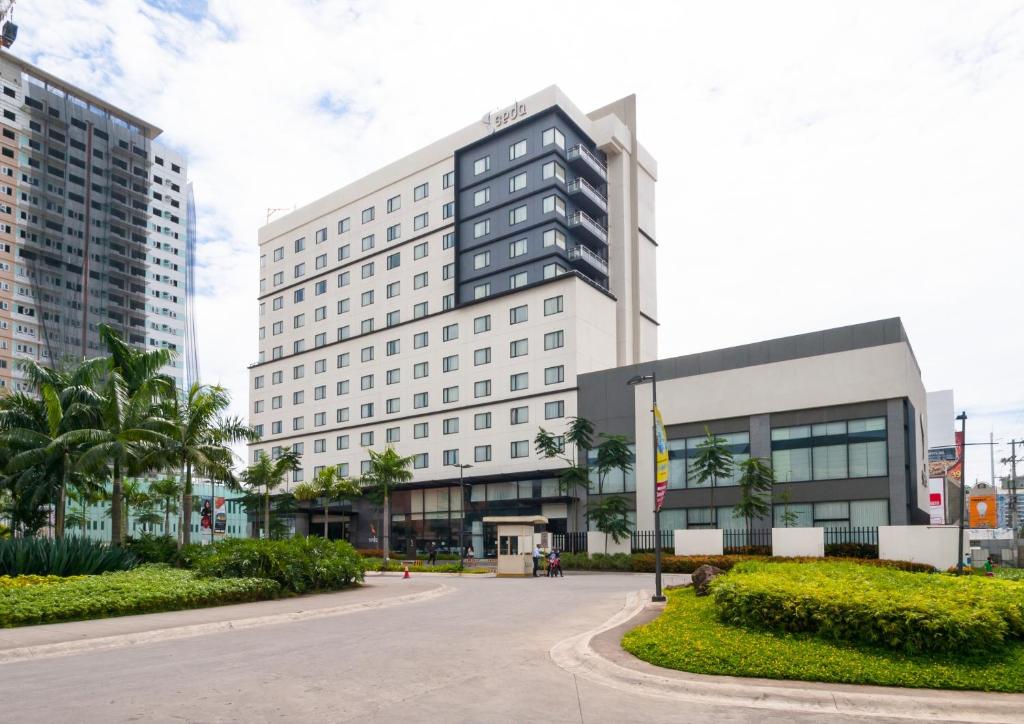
[504,197]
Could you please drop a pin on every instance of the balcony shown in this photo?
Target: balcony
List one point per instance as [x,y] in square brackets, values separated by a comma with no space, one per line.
[582,256]
[587,196]
[581,158]
[591,229]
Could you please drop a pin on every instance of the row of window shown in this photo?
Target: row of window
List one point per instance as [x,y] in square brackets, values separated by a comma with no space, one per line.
[832,515]
[830,451]
[518,149]
[517,183]
[519,247]
[518,215]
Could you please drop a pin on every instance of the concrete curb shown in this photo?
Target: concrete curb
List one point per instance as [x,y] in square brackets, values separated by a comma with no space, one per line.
[65,648]
[577,656]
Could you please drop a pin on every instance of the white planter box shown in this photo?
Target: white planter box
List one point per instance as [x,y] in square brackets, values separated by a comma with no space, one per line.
[795,542]
[935,545]
[701,542]
[598,542]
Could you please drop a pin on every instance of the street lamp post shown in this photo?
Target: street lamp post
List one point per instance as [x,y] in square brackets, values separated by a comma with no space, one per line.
[632,382]
[962,417]
[462,520]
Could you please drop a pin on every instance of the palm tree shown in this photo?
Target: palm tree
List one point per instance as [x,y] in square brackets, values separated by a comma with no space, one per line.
[201,440]
[168,491]
[387,469]
[85,494]
[266,474]
[713,462]
[327,485]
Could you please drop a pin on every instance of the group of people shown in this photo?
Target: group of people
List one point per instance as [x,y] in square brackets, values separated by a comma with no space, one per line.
[554,567]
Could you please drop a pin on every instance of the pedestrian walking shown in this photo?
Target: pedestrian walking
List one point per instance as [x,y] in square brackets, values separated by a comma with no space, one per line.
[536,559]
[469,556]
[432,554]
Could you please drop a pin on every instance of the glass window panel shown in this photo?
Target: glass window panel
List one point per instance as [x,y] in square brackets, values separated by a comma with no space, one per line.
[673,518]
[525,488]
[829,462]
[676,464]
[501,491]
[832,515]
[549,488]
[869,513]
[791,465]
[868,459]
[804,515]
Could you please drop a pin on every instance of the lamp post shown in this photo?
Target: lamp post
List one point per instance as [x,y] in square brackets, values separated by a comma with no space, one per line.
[462,521]
[962,417]
[632,382]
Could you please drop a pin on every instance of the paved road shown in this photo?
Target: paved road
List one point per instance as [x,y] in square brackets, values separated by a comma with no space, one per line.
[477,654]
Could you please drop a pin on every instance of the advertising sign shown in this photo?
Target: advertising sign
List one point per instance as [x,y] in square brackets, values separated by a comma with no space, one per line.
[983,507]
[661,476]
[936,500]
[941,459]
[220,516]
[205,514]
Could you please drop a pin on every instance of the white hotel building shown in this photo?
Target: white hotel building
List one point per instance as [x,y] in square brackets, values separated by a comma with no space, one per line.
[446,304]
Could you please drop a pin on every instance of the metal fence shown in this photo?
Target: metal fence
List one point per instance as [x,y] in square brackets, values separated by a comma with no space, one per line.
[643,541]
[863,536]
[575,542]
[742,538]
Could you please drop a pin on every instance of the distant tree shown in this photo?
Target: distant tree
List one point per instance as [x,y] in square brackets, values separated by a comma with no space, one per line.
[387,469]
[789,518]
[713,462]
[327,486]
[168,492]
[266,474]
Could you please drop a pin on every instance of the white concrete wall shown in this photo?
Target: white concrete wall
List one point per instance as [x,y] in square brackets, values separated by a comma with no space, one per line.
[700,542]
[935,545]
[793,542]
[598,542]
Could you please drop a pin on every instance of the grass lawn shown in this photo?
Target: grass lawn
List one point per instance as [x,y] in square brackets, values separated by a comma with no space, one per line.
[689,637]
[146,589]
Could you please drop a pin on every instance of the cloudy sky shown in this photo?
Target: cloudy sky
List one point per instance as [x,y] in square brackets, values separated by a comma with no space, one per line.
[821,163]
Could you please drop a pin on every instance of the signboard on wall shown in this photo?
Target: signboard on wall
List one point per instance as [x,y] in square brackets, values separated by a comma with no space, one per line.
[940,459]
[937,500]
[983,507]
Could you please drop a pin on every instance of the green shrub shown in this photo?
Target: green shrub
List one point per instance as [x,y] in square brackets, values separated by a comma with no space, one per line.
[376,564]
[155,549]
[144,590]
[851,550]
[872,605]
[300,565]
[70,556]
[25,581]
[644,562]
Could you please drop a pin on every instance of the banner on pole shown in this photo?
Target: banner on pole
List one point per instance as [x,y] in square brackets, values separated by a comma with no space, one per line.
[220,516]
[661,460]
[205,514]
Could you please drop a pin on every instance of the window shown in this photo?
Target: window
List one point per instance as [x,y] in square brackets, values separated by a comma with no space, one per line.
[344,305]
[299,295]
[450,394]
[368,215]
[393,346]
[257,382]
[300,244]
[320,339]
[450,363]
[553,136]
[447,212]
[341,387]
[420,221]
[321,261]
[366,410]
[448,301]
[277,303]
[448,241]
[394,203]
[554,203]
[394,260]
[553,270]
[552,305]
[321,235]
[517,215]
[553,237]
[393,434]
[516,248]
[395,231]
[394,289]
[319,419]
[517,150]
[420,430]
[420,339]
[320,288]
[320,366]
[519,381]
[553,169]
[344,332]
[275,428]
[451,457]
[420,280]
[482,324]
[275,402]
[517,280]
[448,271]
[482,454]
[279,253]
[277,328]
[553,410]
[482,421]
[367,242]
[257,406]
[394,376]
[320,445]
[448,180]
[421,461]
[420,250]
[420,192]
[298,397]
[829,451]
[341,442]
[344,278]
[518,348]
[278,278]
[276,377]
[366,298]
[520,448]
[481,228]
[366,270]
[420,399]
[392,405]
[366,382]
[481,290]
[481,165]
[319,392]
[298,372]
[277,352]
[482,388]
[298,423]
[519,415]
[517,315]
[343,360]
[450,426]
[344,252]
[450,332]
[481,260]
[554,375]
[482,196]
[517,183]
[554,340]
[482,356]
[366,439]
[420,369]
[344,225]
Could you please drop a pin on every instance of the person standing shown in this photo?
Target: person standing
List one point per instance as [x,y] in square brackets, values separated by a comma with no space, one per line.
[536,559]
[432,556]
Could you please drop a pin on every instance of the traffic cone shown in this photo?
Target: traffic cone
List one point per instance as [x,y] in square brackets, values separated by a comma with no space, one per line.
[406,574]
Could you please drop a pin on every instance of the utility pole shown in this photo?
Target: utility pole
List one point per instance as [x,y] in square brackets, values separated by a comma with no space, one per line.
[962,417]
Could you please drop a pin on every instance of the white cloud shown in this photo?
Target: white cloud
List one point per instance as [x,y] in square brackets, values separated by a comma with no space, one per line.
[821,164]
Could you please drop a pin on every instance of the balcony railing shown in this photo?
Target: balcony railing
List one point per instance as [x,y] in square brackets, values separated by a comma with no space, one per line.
[585,255]
[588,195]
[584,222]
[581,157]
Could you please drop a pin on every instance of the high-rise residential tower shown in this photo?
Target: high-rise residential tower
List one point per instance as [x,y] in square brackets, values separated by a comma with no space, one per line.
[92,226]
[446,303]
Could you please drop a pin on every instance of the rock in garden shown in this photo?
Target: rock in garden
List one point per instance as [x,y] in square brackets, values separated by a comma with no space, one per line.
[703,576]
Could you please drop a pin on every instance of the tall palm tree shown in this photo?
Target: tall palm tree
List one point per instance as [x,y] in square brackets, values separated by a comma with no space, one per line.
[327,485]
[168,491]
[387,469]
[201,440]
[266,474]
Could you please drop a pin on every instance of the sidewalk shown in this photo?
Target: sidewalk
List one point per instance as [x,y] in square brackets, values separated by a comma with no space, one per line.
[380,591]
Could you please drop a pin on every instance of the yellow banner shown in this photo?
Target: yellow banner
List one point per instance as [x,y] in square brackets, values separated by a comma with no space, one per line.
[661,476]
